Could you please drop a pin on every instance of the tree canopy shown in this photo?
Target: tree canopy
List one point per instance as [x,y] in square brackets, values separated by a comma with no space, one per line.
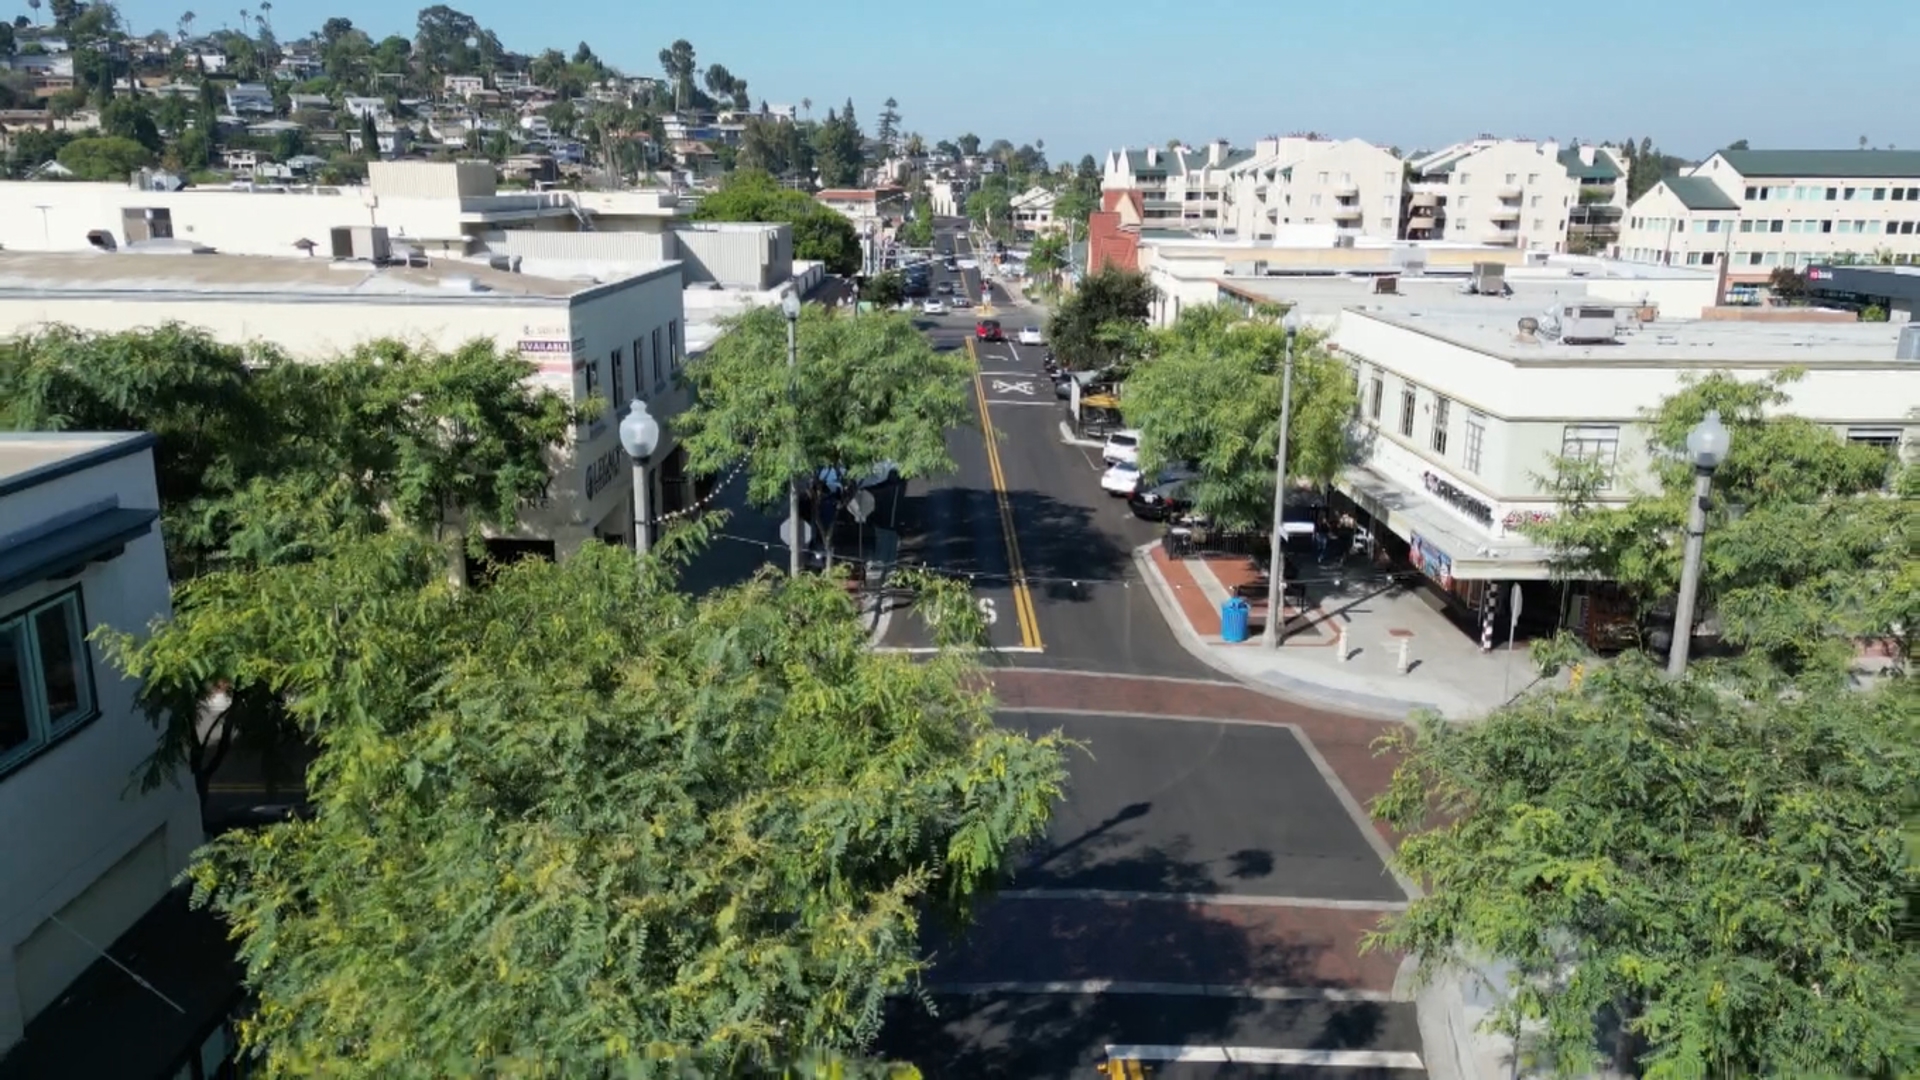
[818,233]
[105,157]
[1207,394]
[1804,553]
[1715,863]
[868,392]
[1089,327]
[580,818]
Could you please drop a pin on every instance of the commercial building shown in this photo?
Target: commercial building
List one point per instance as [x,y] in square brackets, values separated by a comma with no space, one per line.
[88,860]
[1465,404]
[868,208]
[612,340]
[1032,211]
[1895,290]
[1515,193]
[1349,185]
[1179,188]
[1756,210]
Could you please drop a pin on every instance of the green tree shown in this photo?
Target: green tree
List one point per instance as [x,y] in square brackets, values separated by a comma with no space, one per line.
[889,122]
[1208,395]
[581,819]
[105,157]
[36,146]
[369,137]
[818,233]
[1716,864]
[917,231]
[128,118]
[885,290]
[839,149]
[678,62]
[1804,554]
[1108,307]
[868,392]
[1048,255]
[991,207]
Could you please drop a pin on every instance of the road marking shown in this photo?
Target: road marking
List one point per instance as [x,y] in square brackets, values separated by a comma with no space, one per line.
[1022,596]
[1141,678]
[1261,1055]
[1118,987]
[1012,401]
[929,650]
[288,790]
[1212,899]
[1023,386]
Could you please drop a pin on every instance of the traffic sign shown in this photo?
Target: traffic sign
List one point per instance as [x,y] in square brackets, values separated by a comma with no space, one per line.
[786,533]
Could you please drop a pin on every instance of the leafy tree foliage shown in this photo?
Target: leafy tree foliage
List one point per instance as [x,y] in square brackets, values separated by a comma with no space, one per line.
[1208,395]
[581,820]
[839,149]
[1082,328]
[885,289]
[106,157]
[1804,553]
[866,392]
[1716,863]
[818,233]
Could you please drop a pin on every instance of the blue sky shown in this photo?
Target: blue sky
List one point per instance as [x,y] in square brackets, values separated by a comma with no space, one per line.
[1089,76]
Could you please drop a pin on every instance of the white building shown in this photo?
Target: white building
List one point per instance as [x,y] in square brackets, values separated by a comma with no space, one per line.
[1032,211]
[1463,409]
[1762,209]
[1510,192]
[362,107]
[948,197]
[613,340]
[1180,188]
[249,98]
[88,853]
[867,208]
[464,86]
[1348,184]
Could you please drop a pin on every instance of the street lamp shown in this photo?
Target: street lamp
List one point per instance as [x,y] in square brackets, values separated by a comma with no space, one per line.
[1276,631]
[1706,448]
[639,435]
[790,304]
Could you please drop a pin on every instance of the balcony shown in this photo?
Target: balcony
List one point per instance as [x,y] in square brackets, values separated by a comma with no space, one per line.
[1500,237]
[1421,200]
[1508,191]
[1346,211]
[1345,189]
[1427,187]
[1505,213]
[1429,224]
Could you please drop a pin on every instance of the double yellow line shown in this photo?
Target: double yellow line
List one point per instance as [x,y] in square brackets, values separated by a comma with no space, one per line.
[1022,596]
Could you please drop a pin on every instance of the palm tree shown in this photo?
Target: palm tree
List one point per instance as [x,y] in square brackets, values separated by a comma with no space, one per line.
[35,5]
[186,21]
[806,108]
[246,23]
[266,9]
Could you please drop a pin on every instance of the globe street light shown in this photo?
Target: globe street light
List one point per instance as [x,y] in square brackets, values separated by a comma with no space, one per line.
[639,436]
[1706,448]
[1276,629]
[790,305]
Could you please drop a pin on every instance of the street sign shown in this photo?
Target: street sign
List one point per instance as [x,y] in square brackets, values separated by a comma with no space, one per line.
[1514,603]
[860,505]
[786,533]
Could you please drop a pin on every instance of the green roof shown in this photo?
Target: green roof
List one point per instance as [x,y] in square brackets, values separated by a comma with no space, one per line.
[1699,193]
[1824,164]
[1602,168]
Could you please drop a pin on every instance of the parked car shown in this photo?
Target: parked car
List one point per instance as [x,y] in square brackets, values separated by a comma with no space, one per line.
[945,288]
[1161,502]
[935,306]
[1121,478]
[989,330]
[1030,335]
[879,476]
[1123,445]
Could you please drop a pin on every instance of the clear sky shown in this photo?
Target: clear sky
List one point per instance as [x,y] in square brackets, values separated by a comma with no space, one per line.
[1092,75]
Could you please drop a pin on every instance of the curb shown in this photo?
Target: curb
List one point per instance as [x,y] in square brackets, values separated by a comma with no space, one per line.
[1067,436]
[1282,687]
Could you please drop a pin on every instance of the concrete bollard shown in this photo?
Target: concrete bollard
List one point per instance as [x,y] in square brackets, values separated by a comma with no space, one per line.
[1405,643]
[1346,654]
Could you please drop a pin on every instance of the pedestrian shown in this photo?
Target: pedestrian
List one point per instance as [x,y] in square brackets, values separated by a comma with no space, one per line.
[1320,529]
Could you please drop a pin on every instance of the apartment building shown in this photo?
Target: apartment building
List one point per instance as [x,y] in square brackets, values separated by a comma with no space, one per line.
[1349,184]
[1463,408]
[1514,193]
[1179,188]
[88,860]
[1032,211]
[1755,210]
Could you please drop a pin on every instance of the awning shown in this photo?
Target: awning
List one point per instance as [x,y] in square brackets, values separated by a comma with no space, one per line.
[1407,514]
[1100,401]
[67,550]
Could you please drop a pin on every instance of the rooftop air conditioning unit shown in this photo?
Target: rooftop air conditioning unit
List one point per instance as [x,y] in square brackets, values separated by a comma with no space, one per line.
[1489,279]
[1909,346]
[362,243]
[1343,241]
[1581,324]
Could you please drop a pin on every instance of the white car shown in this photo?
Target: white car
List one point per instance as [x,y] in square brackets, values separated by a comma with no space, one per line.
[1030,335]
[1123,478]
[1122,446]
[934,307]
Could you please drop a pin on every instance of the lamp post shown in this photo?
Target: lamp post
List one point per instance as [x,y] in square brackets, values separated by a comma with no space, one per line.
[1276,631]
[639,435]
[1706,449]
[790,304]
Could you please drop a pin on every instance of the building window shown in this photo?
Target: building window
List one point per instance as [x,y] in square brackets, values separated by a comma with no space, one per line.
[1752,192]
[1406,412]
[1510,177]
[639,387]
[1476,440]
[617,375]
[1465,179]
[1884,438]
[674,356]
[659,369]
[1379,395]
[1593,442]
[593,379]
[1533,178]
[46,676]
[1441,407]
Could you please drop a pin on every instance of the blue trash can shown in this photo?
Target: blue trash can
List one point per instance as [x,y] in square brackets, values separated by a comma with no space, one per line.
[1233,620]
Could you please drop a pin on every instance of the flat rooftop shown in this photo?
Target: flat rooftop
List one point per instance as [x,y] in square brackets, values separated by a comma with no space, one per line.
[1492,327]
[210,274]
[28,458]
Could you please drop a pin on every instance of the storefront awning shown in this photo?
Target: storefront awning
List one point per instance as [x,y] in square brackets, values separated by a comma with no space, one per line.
[1407,513]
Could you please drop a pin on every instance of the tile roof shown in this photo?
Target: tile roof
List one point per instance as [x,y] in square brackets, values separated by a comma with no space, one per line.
[1699,193]
[1602,168]
[1835,164]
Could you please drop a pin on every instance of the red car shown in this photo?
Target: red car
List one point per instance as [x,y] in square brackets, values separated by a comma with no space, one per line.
[988,330]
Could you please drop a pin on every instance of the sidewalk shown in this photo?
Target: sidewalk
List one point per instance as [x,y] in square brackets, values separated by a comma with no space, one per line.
[1352,610]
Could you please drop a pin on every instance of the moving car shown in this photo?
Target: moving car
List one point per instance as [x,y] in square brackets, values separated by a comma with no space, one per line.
[1122,478]
[935,306]
[945,288]
[1122,446]
[1030,335]
[989,330]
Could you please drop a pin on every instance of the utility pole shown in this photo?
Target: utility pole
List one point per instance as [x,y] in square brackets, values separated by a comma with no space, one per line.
[1276,630]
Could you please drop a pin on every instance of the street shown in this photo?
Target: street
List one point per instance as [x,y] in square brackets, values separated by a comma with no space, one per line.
[1199,900]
